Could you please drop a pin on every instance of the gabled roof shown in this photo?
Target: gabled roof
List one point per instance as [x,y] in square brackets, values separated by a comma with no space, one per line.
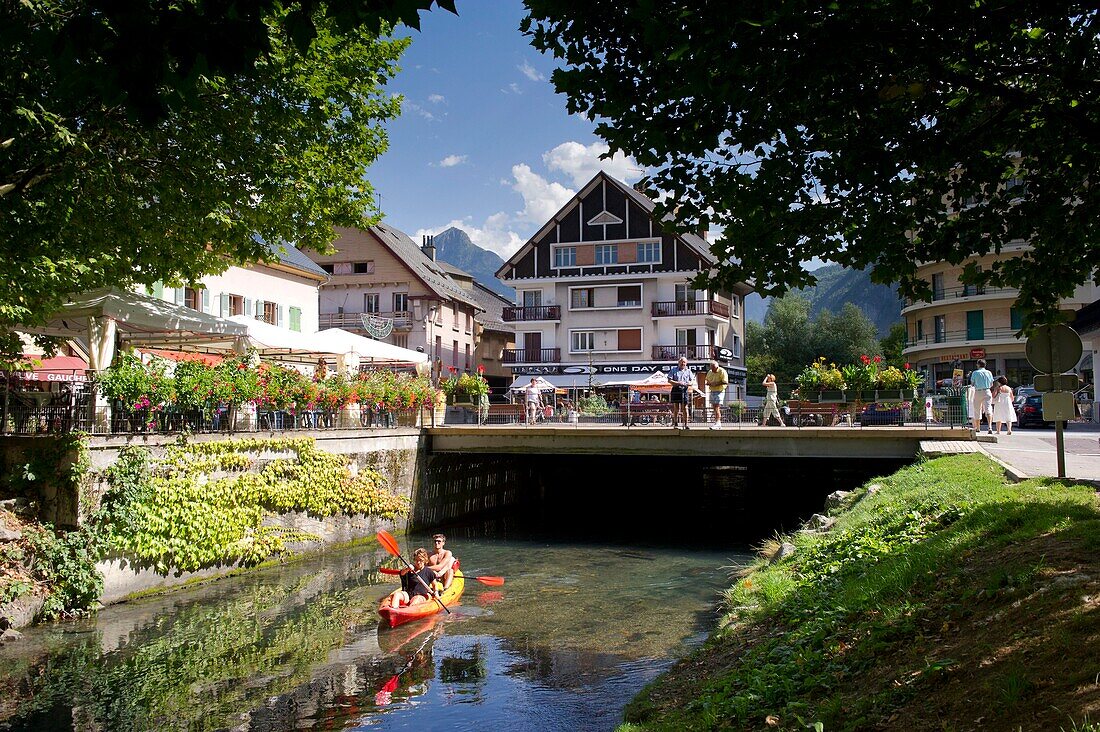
[431,273]
[291,256]
[695,242]
[493,305]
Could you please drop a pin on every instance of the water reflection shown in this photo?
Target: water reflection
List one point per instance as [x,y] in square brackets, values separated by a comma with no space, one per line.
[574,633]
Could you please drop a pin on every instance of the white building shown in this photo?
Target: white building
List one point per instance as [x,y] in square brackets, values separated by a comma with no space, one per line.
[602,289]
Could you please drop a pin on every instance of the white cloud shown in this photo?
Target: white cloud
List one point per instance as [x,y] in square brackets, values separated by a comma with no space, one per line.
[414,107]
[581,162]
[452,160]
[541,198]
[436,98]
[512,88]
[530,72]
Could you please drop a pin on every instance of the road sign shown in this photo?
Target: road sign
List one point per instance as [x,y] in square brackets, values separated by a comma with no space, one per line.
[1053,349]
[1056,382]
[1058,406]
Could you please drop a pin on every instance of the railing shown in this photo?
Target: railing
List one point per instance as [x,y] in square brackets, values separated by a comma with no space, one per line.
[513,314]
[673,353]
[402,319]
[953,293]
[956,336]
[531,355]
[690,307]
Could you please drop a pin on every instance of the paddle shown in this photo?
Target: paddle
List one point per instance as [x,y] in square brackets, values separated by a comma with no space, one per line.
[485,580]
[390,544]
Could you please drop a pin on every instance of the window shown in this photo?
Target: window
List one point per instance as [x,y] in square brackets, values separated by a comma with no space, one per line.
[649,252]
[371,303]
[1016,186]
[341,268]
[1016,318]
[969,290]
[735,306]
[686,293]
[565,257]
[236,305]
[607,254]
[712,337]
[582,340]
[940,323]
[270,313]
[454,355]
[685,336]
[975,325]
[363,267]
[581,298]
[295,319]
[920,330]
[467,356]
[630,296]
[401,340]
[330,268]
[937,286]
[532,298]
[439,347]
[630,339]
[457,319]
[400,302]
[469,322]
[192,298]
[736,346]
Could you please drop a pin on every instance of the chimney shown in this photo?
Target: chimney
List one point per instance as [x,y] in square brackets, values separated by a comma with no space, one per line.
[428,246]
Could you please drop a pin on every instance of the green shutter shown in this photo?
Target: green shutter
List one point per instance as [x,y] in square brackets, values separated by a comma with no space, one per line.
[1017,319]
[158,290]
[975,325]
[295,319]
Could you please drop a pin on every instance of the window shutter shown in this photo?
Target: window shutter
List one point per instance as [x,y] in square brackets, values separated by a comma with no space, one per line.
[247,310]
[279,315]
[296,319]
[180,293]
[158,290]
[259,309]
[205,300]
[225,305]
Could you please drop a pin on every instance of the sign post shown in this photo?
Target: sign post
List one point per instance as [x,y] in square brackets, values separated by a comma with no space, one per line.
[1052,350]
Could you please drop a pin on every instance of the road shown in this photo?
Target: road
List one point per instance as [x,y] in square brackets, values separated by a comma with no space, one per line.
[1032,451]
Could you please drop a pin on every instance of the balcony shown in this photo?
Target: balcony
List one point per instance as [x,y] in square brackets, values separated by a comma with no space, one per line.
[402,320]
[531,355]
[963,336]
[690,307]
[515,314]
[691,353]
[954,293]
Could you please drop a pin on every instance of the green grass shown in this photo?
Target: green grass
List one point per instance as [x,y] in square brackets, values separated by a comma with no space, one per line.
[804,636]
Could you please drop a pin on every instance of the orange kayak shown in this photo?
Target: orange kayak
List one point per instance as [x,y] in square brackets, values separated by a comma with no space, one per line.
[400,615]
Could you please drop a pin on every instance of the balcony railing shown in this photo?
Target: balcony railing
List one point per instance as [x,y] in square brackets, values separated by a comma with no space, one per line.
[531,355]
[515,314]
[958,336]
[673,353]
[690,307]
[954,293]
[402,320]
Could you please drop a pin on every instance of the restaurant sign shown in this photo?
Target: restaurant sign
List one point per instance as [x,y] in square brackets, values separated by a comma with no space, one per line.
[50,376]
[736,374]
[977,353]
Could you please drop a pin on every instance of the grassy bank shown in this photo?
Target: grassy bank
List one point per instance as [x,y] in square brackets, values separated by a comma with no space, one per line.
[945,599]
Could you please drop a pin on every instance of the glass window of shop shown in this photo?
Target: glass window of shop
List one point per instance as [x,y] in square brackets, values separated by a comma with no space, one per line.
[1019,372]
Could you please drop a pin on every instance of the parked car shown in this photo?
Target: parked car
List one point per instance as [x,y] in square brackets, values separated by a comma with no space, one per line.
[1024,391]
[1029,412]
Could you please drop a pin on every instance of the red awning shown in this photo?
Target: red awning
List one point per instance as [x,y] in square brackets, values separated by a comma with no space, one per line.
[58,368]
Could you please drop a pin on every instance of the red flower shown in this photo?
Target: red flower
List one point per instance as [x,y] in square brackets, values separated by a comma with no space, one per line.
[452,369]
[907,367]
[480,369]
[864,359]
[878,359]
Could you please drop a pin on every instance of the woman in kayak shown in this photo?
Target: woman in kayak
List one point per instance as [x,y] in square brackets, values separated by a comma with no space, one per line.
[413,590]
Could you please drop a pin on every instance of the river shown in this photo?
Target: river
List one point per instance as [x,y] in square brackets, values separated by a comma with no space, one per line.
[575,632]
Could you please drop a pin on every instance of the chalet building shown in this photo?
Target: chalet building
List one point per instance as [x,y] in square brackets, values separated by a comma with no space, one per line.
[492,336]
[381,273]
[603,292]
[282,292]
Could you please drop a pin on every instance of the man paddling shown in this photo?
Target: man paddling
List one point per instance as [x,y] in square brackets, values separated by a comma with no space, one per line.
[442,561]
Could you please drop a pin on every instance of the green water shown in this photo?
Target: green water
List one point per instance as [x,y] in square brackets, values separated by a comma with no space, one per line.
[574,633]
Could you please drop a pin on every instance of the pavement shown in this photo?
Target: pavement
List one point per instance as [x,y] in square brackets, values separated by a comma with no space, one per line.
[1032,452]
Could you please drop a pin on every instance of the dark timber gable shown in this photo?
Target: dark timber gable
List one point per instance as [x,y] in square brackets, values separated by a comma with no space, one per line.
[604,211]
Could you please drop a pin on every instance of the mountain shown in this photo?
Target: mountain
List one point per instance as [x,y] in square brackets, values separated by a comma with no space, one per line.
[837,285]
[454,247]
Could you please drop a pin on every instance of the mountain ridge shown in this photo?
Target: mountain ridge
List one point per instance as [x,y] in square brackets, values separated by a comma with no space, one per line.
[455,247]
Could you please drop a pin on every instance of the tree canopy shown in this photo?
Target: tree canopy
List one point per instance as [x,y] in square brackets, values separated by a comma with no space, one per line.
[144,142]
[789,340]
[882,134]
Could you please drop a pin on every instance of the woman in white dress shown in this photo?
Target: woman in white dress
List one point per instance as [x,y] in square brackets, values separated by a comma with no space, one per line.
[1003,411]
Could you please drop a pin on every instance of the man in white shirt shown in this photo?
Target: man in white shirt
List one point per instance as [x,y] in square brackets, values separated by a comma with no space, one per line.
[533,398]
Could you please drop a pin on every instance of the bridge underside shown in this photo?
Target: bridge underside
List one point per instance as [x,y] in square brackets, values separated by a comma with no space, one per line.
[749,442]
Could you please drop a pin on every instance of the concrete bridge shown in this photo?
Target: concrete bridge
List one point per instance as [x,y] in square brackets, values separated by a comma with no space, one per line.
[730,442]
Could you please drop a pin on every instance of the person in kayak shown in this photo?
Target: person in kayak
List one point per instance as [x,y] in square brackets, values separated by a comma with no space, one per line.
[413,591]
[442,561]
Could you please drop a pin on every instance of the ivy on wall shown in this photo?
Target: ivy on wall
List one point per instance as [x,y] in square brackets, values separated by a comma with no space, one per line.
[201,505]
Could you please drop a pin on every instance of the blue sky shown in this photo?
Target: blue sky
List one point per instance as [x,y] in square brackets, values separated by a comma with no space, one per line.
[483,142]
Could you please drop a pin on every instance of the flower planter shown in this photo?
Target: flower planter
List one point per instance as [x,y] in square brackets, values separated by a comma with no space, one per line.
[460,400]
[831,397]
[890,395]
[860,395]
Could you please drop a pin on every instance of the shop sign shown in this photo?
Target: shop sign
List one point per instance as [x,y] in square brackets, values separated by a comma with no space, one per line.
[977,353]
[613,368]
[49,376]
[955,357]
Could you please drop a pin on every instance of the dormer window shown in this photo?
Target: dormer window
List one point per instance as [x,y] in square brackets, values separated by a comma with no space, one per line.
[607,254]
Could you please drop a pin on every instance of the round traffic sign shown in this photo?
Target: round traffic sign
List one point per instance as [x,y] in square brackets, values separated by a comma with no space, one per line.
[1053,349]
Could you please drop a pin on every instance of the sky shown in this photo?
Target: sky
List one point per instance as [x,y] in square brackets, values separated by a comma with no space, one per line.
[483,142]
